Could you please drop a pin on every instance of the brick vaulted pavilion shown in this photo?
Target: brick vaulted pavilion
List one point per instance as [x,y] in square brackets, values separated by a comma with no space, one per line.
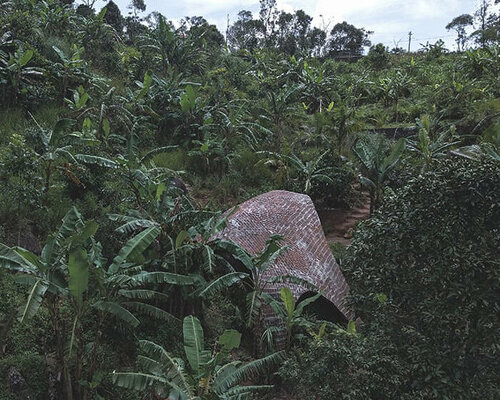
[293,216]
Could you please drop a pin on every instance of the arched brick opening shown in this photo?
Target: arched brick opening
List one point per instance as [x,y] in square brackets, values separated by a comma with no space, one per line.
[323,309]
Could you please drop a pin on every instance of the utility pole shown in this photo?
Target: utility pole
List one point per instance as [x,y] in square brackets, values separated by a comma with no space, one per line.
[227,28]
[409,40]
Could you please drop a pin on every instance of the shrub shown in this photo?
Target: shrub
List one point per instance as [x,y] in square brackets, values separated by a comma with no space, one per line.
[430,257]
[32,367]
[378,56]
[343,366]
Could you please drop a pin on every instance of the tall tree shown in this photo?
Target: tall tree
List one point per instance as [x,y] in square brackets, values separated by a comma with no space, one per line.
[459,25]
[203,33]
[137,6]
[347,41]
[268,17]
[113,16]
[246,32]
[487,23]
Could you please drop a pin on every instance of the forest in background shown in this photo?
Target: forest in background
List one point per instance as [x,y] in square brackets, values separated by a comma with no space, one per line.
[123,139]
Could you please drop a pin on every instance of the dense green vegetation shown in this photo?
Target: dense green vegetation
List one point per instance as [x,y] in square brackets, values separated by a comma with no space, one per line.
[122,141]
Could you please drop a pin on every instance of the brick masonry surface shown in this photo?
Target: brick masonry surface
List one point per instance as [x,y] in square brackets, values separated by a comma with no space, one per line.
[293,216]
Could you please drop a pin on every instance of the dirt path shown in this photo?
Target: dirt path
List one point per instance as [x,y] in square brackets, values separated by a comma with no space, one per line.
[338,223]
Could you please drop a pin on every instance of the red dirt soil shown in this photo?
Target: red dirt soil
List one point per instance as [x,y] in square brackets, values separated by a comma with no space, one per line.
[338,223]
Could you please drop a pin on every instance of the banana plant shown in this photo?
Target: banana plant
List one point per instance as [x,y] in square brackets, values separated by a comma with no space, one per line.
[291,312]
[17,71]
[69,68]
[376,164]
[257,267]
[428,146]
[488,148]
[207,375]
[171,49]
[309,171]
[280,109]
[62,272]
[57,153]
[186,243]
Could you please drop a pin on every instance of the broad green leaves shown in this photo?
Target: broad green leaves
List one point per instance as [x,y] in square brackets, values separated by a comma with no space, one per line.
[34,300]
[135,246]
[194,344]
[230,339]
[25,58]
[116,310]
[188,99]
[78,267]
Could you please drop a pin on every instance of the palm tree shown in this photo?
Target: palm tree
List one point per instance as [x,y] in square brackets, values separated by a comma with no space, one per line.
[207,376]
[376,164]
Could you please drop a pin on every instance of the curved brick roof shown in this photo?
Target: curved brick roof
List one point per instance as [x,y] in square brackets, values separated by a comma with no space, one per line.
[293,216]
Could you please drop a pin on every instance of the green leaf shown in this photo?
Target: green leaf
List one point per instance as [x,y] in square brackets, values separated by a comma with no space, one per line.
[71,222]
[208,258]
[381,297]
[193,343]
[146,84]
[105,127]
[181,237]
[135,246]
[396,153]
[237,252]
[163,277]
[304,303]
[152,311]
[136,380]
[158,150]
[351,327]
[117,310]
[87,231]
[173,370]
[34,300]
[61,126]
[78,267]
[188,99]
[18,259]
[223,282]
[288,300]
[247,372]
[230,339]
[159,191]
[96,160]
[25,58]
[60,53]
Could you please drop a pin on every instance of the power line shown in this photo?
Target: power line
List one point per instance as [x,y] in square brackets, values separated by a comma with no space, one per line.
[417,39]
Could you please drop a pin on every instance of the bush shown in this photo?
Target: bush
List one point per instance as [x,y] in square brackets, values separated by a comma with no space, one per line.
[340,191]
[430,257]
[378,56]
[344,366]
[32,367]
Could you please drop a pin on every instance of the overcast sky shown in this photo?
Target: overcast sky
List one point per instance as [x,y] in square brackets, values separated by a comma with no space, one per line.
[391,20]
